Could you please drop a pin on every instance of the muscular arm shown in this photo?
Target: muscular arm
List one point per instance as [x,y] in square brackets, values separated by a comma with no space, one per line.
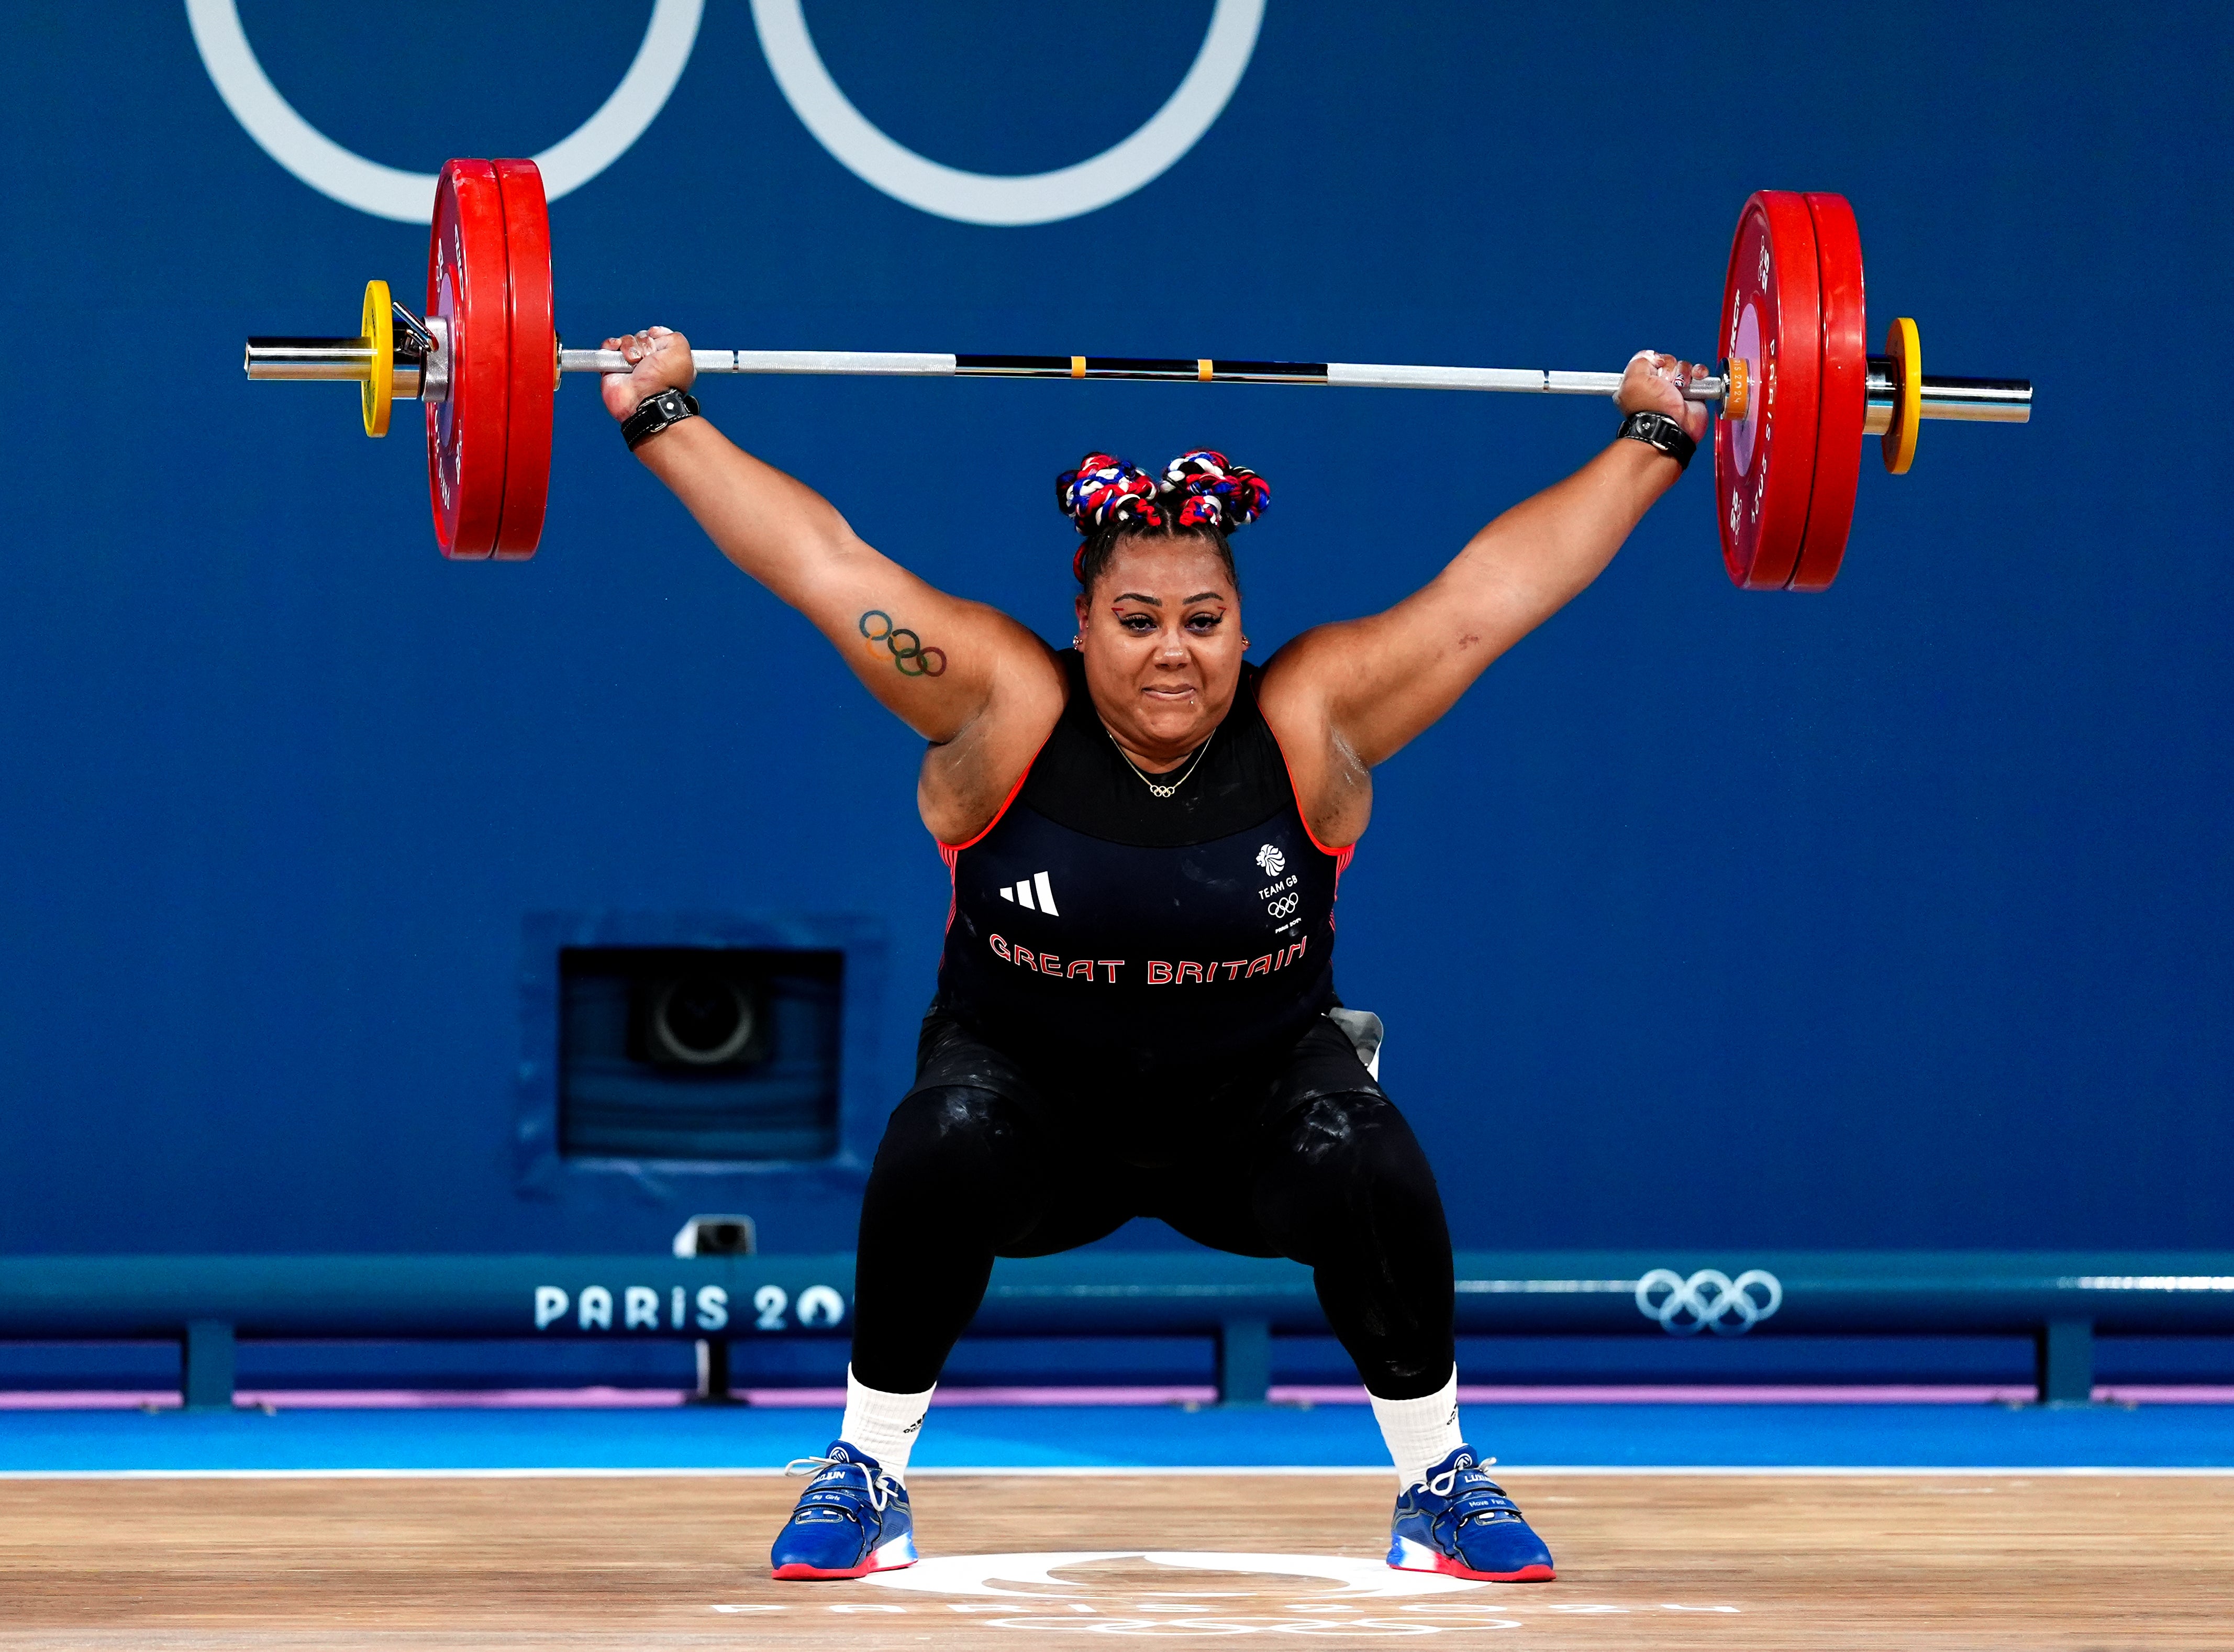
[964,675]
[1345,696]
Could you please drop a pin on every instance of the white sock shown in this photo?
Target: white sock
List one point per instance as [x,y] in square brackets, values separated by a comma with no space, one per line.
[1421,1432]
[884,1424]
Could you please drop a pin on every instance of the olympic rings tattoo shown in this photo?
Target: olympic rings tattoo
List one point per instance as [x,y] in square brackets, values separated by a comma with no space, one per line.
[910,657]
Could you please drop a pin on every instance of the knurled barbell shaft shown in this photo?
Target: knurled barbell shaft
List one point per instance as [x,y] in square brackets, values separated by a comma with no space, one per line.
[1167,369]
[1997,400]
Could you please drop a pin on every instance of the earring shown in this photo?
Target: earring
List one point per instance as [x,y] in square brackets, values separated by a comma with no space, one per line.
[1073,639]
[1245,645]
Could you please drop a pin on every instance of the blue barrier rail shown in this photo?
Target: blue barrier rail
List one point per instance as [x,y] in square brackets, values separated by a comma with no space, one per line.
[2061,1300]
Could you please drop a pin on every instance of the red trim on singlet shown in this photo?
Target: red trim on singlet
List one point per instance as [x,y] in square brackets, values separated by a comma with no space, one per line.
[952,852]
[1341,856]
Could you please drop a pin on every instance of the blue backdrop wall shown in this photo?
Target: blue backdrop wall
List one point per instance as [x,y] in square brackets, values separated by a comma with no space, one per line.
[1897,916]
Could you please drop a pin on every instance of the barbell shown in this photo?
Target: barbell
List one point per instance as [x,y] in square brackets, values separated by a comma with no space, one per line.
[1794,382]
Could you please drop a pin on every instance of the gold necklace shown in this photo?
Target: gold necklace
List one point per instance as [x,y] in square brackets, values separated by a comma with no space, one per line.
[1159,790]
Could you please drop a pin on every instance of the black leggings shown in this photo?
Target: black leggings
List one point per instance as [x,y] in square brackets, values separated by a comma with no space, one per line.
[1337,1182]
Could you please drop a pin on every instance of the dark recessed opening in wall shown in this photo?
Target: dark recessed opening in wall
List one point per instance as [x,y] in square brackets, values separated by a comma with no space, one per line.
[713,1054]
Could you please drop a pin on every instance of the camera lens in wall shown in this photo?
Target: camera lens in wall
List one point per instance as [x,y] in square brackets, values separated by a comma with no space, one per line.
[702,1021]
[708,1055]
[717,1236]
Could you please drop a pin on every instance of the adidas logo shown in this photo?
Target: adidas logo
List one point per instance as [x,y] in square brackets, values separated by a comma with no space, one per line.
[1022,890]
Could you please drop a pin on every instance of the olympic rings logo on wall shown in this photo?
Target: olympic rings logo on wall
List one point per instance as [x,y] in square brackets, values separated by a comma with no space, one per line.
[858,143]
[913,659]
[1708,1299]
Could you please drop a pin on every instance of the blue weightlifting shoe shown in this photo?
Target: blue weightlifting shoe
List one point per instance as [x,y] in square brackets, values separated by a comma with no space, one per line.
[852,1520]
[1459,1521]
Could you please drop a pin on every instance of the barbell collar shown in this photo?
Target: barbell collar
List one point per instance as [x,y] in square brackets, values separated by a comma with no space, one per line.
[422,337]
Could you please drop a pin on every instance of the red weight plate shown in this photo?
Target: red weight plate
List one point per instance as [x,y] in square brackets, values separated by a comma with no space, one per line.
[1772,320]
[533,361]
[1846,392]
[466,285]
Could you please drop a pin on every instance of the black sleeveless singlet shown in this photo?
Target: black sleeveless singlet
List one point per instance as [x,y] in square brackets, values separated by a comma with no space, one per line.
[1109,939]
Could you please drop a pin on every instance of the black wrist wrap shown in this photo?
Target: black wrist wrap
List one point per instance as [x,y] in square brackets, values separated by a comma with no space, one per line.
[654,413]
[1658,430]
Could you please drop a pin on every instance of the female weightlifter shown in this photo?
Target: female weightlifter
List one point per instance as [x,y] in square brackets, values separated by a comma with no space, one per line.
[1136,1011]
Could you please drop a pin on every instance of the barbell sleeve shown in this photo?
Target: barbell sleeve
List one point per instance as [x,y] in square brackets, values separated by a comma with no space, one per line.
[1977,401]
[309,358]
[345,359]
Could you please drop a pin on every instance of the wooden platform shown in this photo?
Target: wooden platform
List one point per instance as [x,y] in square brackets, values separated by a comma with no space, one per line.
[1959,1562]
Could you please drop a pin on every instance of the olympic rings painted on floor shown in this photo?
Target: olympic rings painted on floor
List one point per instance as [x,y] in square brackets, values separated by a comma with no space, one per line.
[408,197]
[1449,1604]
[1684,1308]
[990,199]
[1216,1624]
[946,192]
[1019,1576]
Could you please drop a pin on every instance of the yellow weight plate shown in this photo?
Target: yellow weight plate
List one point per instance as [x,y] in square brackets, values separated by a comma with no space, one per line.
[377,392]
[1899,438]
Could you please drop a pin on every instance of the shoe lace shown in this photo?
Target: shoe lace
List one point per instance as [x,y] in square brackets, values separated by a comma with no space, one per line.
[879,1486]
[1447,1482]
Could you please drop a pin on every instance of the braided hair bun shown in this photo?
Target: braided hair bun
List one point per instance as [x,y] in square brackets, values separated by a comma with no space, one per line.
[1202,492]
[1219,494]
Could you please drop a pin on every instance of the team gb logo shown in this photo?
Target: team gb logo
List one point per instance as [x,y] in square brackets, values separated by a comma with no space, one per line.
[1273,860]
